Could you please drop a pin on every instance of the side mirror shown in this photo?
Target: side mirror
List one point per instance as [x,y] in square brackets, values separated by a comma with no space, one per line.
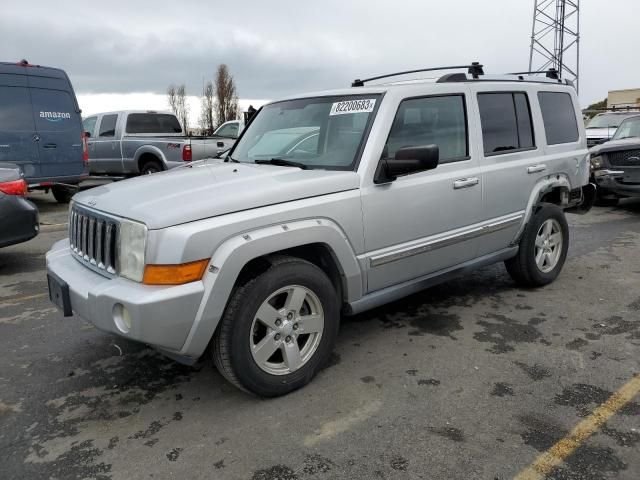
[407,160]
[87,134]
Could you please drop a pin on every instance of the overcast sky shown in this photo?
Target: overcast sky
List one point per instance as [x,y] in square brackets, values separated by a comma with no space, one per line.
[279,47]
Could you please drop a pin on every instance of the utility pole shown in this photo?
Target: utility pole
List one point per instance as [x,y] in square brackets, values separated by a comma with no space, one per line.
[555,38]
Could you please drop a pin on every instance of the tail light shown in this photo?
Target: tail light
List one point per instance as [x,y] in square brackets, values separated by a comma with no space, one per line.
[15,187]
[187,155]
[85,149]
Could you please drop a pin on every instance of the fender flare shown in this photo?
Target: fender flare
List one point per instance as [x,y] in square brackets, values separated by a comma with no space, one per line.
[155,151]
[543,186]
[233,254]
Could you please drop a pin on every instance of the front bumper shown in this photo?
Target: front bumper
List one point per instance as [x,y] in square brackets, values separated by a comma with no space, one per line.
[618,181]
[160,316]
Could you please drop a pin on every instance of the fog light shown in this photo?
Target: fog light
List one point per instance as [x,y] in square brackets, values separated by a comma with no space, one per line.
[122,318]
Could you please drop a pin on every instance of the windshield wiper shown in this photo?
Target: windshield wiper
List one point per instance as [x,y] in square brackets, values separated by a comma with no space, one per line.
[229,158]
[281,162]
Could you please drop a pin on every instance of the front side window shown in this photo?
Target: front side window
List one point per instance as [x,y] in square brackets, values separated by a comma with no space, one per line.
[230,130]
[559,117]
[506,122]
[89,125]
[630,128]
[152,123]
[440,121]
[323,132]
[108,126]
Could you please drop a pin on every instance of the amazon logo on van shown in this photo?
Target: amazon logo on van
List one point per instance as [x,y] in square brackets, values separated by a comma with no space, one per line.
[55,116]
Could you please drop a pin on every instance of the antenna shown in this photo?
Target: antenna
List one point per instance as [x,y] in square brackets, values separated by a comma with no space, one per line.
[555,38]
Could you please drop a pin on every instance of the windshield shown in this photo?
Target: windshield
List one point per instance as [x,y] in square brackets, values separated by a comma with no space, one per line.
[324,132]
[629,128]
[606,120]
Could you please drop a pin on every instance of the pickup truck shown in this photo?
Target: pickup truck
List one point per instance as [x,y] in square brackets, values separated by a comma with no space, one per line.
[144,142]
[329,203]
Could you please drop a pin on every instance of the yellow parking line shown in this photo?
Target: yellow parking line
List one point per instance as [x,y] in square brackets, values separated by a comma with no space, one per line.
[22,299]
[565,447]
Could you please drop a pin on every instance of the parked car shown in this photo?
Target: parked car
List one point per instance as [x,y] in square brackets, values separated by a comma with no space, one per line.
[254,257]
[41,128]
[616,164]
[604,125]
[143,142]
[18,216]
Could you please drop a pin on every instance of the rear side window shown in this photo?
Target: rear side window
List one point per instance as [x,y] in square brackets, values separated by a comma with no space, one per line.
[152,123]
[89,125]
[108,126]
[506,122]
[15,110]
[54,110]
[440,121]
[559,117]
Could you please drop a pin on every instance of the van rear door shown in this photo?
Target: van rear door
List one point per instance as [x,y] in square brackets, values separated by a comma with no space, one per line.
[59,128]
[18,139]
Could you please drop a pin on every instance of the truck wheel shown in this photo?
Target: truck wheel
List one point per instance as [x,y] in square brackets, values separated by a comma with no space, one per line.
[63,194]
[278,329]
[543,248]
[150,166]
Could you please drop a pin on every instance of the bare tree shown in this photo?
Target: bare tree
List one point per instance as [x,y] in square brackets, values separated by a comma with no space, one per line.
[226,95]
[206,108]
[177,98]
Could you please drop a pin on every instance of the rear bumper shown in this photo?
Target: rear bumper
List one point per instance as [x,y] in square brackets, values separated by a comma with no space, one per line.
[19,220]
[611,180]
[160,316]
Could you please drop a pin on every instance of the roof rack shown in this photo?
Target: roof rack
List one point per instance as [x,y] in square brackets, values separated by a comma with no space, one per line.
[475,69]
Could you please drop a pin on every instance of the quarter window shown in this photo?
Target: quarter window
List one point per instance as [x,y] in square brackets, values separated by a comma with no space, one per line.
[558,114]
[506,122]
[440,121]
[108,126]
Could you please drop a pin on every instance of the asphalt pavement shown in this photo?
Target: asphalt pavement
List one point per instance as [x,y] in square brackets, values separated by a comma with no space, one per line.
[472,379]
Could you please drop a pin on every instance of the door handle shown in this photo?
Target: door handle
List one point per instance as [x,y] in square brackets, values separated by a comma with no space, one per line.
[536,168]
[50,145]
[465,182]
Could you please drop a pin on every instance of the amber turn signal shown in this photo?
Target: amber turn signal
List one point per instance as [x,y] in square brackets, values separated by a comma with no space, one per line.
[174,274]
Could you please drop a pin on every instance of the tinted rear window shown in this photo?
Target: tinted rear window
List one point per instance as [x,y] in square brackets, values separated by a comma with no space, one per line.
[54,110]
[559,117]
[152,123]
[15,110]
[108,126]
[506,122]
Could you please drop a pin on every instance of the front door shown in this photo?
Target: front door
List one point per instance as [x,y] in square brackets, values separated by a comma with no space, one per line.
[424,222]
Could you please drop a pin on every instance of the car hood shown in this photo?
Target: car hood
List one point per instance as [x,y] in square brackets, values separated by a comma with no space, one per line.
[210,188]
[616,146]
[601,132]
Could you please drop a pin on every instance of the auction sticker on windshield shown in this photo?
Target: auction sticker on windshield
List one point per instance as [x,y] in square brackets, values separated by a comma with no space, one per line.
[353,106]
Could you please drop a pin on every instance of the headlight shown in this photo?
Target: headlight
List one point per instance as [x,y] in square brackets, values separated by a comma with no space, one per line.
[131,248]
[596,162]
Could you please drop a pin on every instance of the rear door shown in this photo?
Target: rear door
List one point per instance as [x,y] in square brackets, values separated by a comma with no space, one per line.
[59,131]
[105,146]
[18,139]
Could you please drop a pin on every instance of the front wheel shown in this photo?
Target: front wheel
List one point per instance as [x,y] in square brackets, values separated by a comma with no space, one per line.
[278,329]
[543,248]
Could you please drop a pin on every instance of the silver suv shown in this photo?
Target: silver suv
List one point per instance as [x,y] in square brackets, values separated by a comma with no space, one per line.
[332,202]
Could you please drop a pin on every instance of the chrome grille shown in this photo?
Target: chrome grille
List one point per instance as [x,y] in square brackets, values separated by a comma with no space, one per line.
[625,158]
[93,239]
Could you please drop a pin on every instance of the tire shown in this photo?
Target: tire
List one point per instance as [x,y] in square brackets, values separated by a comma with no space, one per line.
[241,329]
[63,194]
[150,166]
[524,268]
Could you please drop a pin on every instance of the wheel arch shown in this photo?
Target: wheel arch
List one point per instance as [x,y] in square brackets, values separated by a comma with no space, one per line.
[149,153]
[319,241]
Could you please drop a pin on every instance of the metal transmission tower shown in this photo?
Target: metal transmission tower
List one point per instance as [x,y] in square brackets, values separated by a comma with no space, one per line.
[555,38]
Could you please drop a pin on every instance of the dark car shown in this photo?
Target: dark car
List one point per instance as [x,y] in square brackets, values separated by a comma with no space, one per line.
[41,128]
[616,164]
[18,217]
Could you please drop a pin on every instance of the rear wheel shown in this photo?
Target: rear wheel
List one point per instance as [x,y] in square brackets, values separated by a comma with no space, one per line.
[63,194]
[278,329]
[150,166]
[542,250]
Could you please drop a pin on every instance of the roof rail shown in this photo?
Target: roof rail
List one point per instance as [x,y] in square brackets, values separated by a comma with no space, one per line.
[475,69]
[551,73]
